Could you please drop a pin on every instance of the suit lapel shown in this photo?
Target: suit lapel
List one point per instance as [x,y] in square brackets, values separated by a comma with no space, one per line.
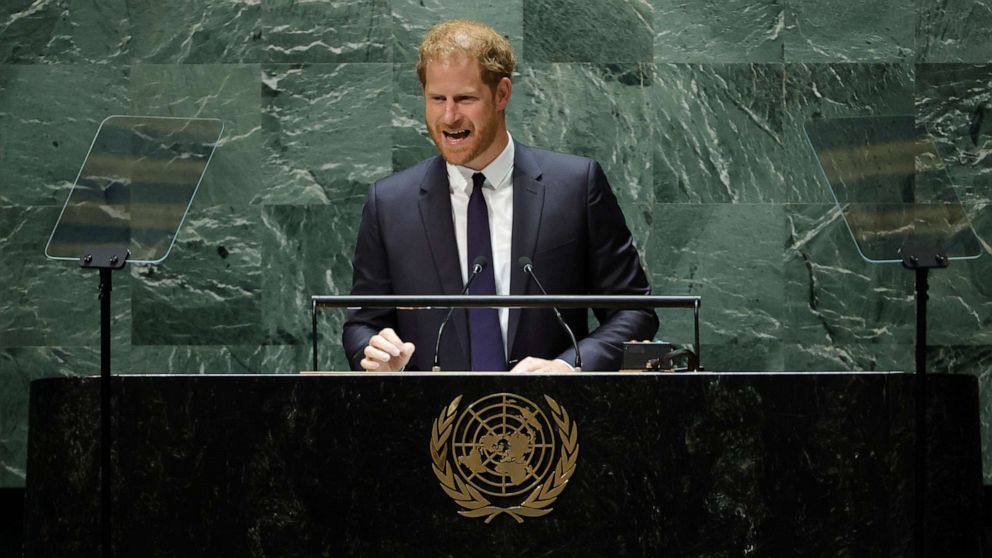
[435,212]
[528,203]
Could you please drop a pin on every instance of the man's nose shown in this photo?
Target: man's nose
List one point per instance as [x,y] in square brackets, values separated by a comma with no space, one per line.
[451,114]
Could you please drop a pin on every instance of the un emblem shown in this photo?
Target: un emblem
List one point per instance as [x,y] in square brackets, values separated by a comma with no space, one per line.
[501,448]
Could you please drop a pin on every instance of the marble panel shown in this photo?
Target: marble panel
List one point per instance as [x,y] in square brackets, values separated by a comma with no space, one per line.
[960,306]
[731,256]
[25,28]
[869,357]
[719,31]
[741,354]
[90,31]
[880,31]
[195,32]
[640,220]
[216,359]
[412,19]
[51,303]
[718,133]
[834,297]
[208,292]
[593,110]
[49,115]
[834,91]
[229,92]
[18,368]
[608,31]
[411,142]
[953,31]
[326,129]
[319,31]
[307,251]
[954,102]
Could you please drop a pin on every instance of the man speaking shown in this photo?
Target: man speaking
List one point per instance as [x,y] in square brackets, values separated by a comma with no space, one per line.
[472,215]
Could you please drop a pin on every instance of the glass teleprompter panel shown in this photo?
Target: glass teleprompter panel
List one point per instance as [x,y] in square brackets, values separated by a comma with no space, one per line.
[135,186]
[892,187]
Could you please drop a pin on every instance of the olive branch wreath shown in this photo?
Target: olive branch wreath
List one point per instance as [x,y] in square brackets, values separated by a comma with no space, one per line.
[475,504]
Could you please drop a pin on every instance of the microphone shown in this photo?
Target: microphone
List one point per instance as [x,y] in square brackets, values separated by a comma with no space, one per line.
[478,265]
[529,270]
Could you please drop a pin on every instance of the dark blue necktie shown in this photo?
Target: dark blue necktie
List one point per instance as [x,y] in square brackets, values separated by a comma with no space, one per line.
[483,323]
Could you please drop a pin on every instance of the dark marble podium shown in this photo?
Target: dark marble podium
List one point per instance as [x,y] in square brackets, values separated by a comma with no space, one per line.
[815,464]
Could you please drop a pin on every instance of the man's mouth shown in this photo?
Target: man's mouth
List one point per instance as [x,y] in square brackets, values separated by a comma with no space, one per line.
[455,134]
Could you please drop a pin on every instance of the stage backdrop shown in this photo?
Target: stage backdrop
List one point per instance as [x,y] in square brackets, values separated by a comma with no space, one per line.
[695,110]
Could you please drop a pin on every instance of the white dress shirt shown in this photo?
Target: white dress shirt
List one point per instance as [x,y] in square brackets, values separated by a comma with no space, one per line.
[498,192]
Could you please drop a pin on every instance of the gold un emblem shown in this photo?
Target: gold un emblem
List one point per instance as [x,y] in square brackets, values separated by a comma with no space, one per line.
[501,454]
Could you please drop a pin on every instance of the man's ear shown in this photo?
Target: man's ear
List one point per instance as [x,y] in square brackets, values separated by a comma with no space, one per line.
[504,88]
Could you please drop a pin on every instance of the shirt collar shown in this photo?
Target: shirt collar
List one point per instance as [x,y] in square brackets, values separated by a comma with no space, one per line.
[497,173]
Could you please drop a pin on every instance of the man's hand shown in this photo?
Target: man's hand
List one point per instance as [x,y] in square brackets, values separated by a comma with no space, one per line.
[534,364]
[386,352]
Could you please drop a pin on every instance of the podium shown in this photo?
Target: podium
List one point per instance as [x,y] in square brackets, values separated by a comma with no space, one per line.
[354,464]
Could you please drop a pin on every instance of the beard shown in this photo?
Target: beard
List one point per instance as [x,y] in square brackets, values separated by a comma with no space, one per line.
[469,150]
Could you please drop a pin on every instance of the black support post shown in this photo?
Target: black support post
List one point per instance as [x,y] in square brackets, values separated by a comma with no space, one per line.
[106,260]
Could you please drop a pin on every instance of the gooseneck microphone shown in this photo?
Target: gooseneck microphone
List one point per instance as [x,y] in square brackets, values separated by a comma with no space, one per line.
[529,270]
[478,265]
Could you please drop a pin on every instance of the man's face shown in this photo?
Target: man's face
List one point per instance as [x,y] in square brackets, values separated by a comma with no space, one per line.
[463,114]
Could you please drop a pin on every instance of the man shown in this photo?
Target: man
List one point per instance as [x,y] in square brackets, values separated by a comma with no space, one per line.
[486,195]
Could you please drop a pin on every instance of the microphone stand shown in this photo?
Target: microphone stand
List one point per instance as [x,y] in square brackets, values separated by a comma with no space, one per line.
[478,265]
[529,270]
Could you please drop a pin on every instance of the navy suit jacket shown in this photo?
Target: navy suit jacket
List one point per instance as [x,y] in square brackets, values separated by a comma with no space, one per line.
[565,218]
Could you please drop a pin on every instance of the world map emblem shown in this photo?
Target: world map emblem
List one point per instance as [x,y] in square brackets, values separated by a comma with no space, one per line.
[502,454]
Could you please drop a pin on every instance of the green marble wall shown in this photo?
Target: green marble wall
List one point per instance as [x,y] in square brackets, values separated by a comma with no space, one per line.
[695,109]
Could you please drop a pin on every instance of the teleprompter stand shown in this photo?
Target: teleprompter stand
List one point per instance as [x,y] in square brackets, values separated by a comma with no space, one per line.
[128,202]
[107,260]
[900,207]
[921,259]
